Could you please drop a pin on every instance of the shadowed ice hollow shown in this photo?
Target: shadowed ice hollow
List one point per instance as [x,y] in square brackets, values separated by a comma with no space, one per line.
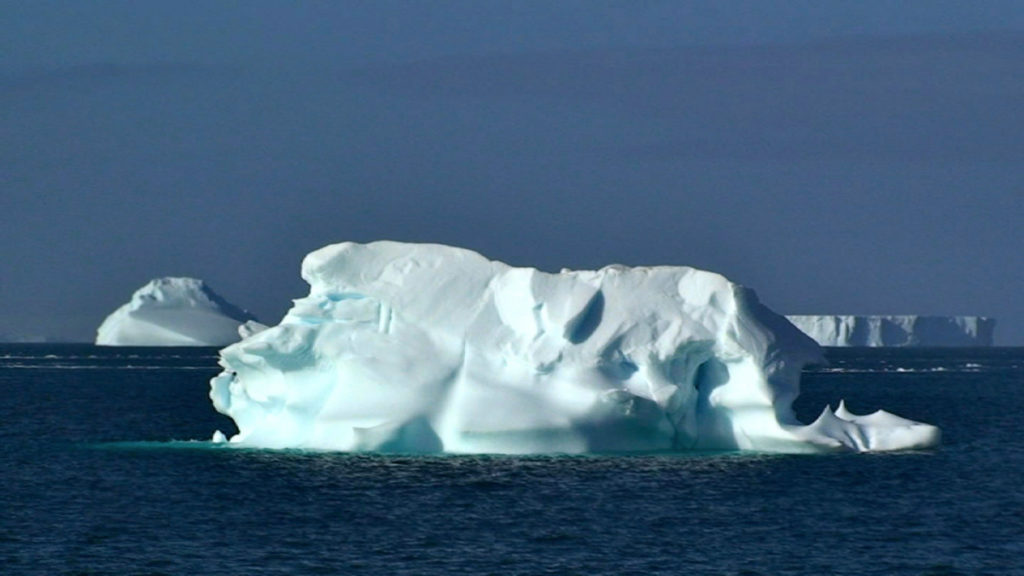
[430,348]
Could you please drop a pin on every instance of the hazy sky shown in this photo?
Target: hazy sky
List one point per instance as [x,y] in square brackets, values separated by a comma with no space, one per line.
[838,157]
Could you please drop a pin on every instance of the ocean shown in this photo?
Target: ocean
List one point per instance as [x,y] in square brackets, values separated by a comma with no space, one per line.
[106,468]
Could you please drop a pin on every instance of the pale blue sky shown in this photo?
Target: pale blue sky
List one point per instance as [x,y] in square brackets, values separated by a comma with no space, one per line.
[838,157]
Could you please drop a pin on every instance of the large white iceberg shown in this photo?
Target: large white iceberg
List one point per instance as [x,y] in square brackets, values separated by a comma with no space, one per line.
[174,312]
[903,330]
[429,348]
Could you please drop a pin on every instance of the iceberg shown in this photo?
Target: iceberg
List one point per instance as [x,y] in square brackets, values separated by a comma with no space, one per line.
[906,330]
[430,348]
[175,312]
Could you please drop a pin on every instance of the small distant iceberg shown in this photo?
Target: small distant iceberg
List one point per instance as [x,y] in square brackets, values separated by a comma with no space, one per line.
[905,330]
[176,312]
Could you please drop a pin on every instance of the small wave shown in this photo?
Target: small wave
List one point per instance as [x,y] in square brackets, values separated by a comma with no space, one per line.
[160,445]
[111,357]
[103,367]
[903,370]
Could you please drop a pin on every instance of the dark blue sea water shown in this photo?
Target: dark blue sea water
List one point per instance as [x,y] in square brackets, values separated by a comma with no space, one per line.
[105,469]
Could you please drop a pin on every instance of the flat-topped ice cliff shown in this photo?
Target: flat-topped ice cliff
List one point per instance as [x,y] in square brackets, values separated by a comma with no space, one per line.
[174,312]
[429,348]
[897,330]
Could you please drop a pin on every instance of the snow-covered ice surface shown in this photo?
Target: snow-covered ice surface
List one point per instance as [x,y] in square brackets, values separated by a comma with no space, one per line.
[904,330]
[430,348]
[174,312]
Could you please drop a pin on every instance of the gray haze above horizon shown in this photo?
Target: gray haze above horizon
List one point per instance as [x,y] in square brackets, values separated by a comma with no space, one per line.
[838,157]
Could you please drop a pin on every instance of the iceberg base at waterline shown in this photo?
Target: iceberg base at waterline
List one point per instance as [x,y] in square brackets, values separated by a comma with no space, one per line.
[429,348]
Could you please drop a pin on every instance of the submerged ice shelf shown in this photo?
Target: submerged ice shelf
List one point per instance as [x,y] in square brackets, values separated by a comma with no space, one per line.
[430,348]
[175,312]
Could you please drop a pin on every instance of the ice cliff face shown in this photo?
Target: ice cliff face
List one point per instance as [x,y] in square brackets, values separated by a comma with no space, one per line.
[897,330]
[173,312]
[428,348]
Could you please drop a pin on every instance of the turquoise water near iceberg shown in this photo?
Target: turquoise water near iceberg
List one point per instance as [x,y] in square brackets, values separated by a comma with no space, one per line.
[105,468]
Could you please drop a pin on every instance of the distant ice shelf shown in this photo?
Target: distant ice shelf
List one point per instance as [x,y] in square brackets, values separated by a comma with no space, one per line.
[26,339]
[176,312]
[430,348]
[905,330]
